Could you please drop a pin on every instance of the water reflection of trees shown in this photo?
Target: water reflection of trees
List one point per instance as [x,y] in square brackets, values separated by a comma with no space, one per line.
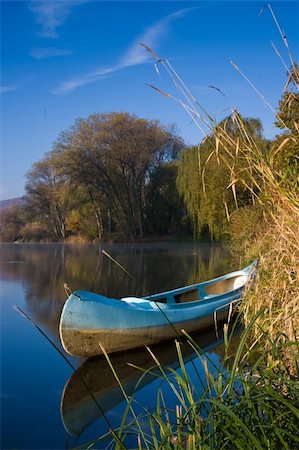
[44,268]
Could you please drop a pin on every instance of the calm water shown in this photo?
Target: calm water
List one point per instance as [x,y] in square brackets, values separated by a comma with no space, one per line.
[41,402]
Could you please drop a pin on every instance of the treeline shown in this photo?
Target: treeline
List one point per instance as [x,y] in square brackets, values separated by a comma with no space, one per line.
[117,176]
[109,175]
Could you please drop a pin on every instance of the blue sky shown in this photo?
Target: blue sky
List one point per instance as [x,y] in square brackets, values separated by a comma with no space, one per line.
[67,59]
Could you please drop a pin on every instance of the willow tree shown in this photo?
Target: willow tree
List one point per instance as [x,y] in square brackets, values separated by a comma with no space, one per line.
[165,212]
[203,188]
[208,176]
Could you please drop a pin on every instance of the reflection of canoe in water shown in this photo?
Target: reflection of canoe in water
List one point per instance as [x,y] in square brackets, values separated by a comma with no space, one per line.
[90,319]
[79,409]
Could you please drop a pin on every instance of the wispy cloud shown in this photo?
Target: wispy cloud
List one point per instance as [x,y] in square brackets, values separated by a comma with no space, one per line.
[134,55]
[50,15]
[43,53]
[4,89]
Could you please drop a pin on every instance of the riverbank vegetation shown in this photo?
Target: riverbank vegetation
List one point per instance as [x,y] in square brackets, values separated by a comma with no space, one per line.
[109,174]
[247,188]
[254,401]
[119,177]
[215,406]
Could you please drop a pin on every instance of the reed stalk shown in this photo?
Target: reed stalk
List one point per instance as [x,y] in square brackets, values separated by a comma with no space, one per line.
[247,402]
[269,228]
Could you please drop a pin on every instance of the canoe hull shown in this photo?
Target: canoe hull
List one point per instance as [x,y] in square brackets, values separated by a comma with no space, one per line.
[88,342]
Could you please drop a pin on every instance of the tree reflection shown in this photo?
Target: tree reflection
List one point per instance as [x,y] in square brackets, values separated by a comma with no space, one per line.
[45,268]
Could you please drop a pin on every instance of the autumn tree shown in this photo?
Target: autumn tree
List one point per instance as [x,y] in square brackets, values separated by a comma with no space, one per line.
[48,193]
[112,156]
[11,222]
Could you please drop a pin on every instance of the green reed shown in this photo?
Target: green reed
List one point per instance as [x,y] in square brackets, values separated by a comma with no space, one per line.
[251,401]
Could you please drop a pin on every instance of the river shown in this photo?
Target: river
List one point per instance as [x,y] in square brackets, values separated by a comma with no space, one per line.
[43,405]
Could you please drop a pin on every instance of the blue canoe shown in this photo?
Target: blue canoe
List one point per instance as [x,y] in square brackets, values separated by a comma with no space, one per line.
[90,321]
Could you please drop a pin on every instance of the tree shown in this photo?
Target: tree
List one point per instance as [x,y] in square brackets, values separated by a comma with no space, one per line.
[12,220]
[285,149]
[164,208]
[112,156]
[49,194]
[208,175]
[288,112]
[288,108]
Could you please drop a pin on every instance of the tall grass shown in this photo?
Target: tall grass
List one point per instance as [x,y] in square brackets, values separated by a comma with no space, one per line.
[241,406]
[269,228]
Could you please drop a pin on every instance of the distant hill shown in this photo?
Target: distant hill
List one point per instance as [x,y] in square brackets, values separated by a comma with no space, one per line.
[4,204]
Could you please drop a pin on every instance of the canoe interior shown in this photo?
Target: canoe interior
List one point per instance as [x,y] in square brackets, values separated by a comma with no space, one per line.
[199,291]
[224,286]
